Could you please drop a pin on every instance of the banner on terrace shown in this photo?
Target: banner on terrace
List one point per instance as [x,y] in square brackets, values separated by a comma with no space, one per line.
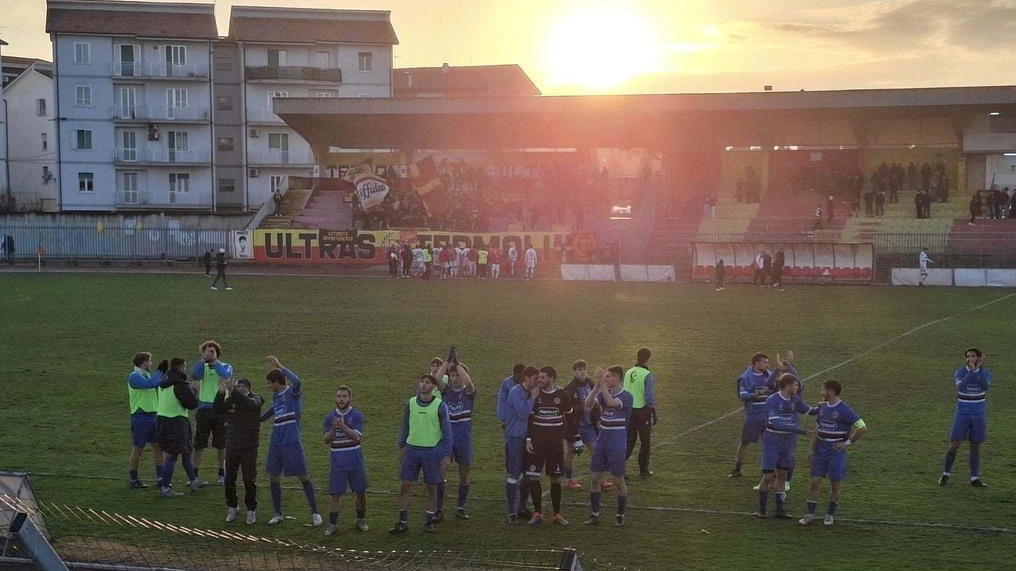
[359,247]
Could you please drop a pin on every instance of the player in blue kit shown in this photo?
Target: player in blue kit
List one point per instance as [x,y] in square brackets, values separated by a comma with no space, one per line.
[425,444]
[343,433]
[518,407]
[970,422]
[459,395]
[507,384]
[753,390]
[285,453]
[615,405]
[778,442]
[784,366]
[838,428]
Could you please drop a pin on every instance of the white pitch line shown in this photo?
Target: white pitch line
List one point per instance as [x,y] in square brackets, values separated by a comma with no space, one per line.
[881,345]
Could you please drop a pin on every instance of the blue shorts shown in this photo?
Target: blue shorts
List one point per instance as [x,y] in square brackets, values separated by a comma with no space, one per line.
[515,456]
[612,461]
[752,430]
[286,459]
[417,459]
[338,480]
[969,427]
[143,428]
[588,436]
[828,463]
[778,451]
[462,450]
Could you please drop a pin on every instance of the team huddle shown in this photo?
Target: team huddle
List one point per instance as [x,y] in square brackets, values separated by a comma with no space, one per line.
[546,427]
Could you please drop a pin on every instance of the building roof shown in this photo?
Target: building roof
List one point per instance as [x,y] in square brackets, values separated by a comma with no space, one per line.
[301,25]
[47,73]
[137,19]
[25,61]
[622,120]
[490,80]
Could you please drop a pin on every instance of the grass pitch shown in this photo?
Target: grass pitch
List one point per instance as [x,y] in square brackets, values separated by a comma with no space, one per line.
[67,340]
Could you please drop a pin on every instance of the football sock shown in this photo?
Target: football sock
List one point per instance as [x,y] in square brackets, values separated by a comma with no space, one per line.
[737,466]
[188,467]
[511,494]
[811,507]
[360,514]
[594,502]
[975,465]
[568,474]
[555,496]
[276,489]
[780,499]
[622,503]
[404,516]
[763,501]
[950,457]
[308,490]
[333,518]
[832,508]
[133,475]
[222,472]
[536,492]
[167,470]
[440,496]
[428,516]
[463,495]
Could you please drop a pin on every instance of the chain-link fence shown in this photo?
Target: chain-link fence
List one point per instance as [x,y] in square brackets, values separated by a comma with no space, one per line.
[114,243]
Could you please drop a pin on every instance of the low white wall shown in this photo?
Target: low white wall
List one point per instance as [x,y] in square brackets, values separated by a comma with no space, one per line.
[960,277]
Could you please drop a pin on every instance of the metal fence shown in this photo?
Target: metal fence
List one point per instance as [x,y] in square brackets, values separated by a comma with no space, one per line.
[114,244]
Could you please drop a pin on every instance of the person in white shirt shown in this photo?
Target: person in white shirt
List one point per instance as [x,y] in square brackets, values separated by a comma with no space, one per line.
[513,258]
[457,259]
[922,261]
[530,262]
[418,266]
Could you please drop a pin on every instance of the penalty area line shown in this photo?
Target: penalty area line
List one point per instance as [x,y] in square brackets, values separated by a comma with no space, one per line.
[860,355]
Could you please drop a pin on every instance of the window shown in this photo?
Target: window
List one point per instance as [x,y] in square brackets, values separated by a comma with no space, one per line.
[366,61]
[83,95]
[45,142]
[82,53]
[323,93]
[130,188]
[46,175]
[40,107]
[322,59]
[179,182]
[275,182]
[86,182]
[227,185]
[278,141]
[176,103]
[276,58]
[176,60]
[224,143]
[274,94]
[83,140]
[223,103]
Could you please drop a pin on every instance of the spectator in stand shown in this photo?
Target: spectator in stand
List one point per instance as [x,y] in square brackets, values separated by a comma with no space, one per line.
[919,203]
[925,177]
[779,260]
[855,207]
[869,200]
[767,268]
[277,199]
[1012,204]
[818,218]
[705,207]
[880,204]
[975,208]
[912,176]
[713,201]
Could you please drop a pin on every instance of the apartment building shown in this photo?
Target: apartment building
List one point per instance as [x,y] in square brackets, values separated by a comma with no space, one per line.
[133,104]
[4,175]
[31,134]
[292,52]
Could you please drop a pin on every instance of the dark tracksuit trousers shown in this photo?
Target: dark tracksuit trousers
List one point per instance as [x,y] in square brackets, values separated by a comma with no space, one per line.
[640,428]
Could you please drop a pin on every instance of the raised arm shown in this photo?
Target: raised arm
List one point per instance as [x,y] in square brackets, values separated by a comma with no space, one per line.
[198,372]
[293,378]
[442,373]
[467,380]
[445,444]
[138,381]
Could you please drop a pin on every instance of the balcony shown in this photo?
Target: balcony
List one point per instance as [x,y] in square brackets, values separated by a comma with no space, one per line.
[160,157]
[145,114]
[293,73]
[263,117]
[277,158]
[159,70]
[148,200]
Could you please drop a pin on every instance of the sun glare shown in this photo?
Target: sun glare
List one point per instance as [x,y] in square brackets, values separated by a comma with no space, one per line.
[599,48]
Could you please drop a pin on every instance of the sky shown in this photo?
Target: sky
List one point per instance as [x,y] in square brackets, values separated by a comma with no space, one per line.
[675,46]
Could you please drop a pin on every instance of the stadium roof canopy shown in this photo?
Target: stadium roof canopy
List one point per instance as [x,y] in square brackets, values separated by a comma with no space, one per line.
[930,116]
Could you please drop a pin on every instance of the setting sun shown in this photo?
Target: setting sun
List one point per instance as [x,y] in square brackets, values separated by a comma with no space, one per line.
[601,47]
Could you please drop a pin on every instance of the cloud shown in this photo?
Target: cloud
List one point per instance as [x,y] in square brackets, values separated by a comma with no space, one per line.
[893,28]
